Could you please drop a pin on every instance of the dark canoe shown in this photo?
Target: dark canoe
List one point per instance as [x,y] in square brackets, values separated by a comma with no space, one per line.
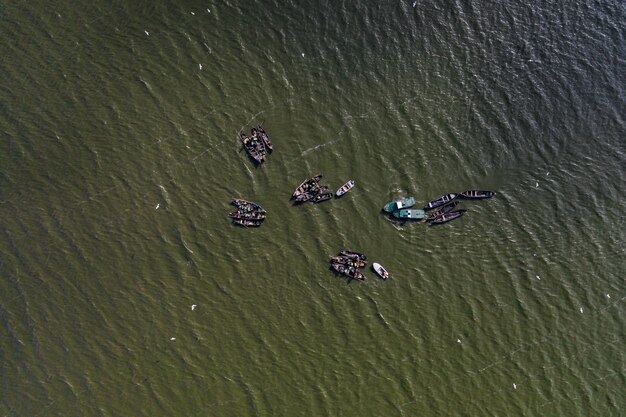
[248,223]
[301,198]
[251,148]
[477,194]
[246,205]
[266,139]
[445,218]
[322,197]
[252,215]
[353,255]
[306,184]
[353,273]
[442,210]
[440,201]
[357,263]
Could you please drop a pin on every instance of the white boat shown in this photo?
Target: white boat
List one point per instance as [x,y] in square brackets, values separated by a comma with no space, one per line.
[345,188]
[382,272]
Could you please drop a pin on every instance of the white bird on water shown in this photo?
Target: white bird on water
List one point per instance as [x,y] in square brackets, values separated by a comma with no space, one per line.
[193,307]
[157,206]
[147,33]
[514,386]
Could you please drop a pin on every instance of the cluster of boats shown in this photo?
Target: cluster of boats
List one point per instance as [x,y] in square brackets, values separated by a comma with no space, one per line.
[443,207]
[248,214]
[311,190]
[348,263]
[257,145]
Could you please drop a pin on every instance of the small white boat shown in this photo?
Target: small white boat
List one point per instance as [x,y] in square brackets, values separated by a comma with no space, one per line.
[345,188]
[382,272]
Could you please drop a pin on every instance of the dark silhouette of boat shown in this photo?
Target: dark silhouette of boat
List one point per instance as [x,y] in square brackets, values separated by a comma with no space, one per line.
[442,210]
[251,215]
[353,255]
[477,194]
[348,271]
[266,139]
[307,185]
[357,263]
[440,201]
[250,145]
[246,205]
[248,223]
[322,197]
[445,218]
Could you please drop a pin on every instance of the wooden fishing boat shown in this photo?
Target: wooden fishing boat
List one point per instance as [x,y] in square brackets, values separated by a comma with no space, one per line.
[399,204]
[306,185]
[440,201]
[348,271]
[266,139]
[477,194]
[353,255]
[247,205]
[382,272]
[352,272]
[248,223]
[345,188]
[247,215]
[322,197]
[445,218]
[357,263]
[442,210]
[301,198]
[409,214]
[251,148]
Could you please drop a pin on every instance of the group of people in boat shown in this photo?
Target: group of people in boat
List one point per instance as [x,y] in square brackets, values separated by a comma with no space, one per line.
[248,214]
[348,263]
[311,190]
[258,144]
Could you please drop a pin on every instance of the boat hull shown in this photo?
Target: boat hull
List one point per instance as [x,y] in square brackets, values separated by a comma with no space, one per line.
[476,194]
[399,204]
[445,218]
[409,214]
[345,188]
[380,270]
[440,201]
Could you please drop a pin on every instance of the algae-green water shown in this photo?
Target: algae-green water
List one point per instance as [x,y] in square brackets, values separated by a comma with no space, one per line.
[119,156]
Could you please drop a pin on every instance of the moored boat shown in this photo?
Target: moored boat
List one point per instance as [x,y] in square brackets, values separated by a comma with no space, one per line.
[345,188]
[266,139]
[382,272]
[248,223]
[442,210]
[409,214]
[252,215]
[354,273]
[399,204]
[477,194]
[246,205]
[353,255]
[348,261]
[306,185]
[250,146]
[440,201]
[445,218]
[322,197]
